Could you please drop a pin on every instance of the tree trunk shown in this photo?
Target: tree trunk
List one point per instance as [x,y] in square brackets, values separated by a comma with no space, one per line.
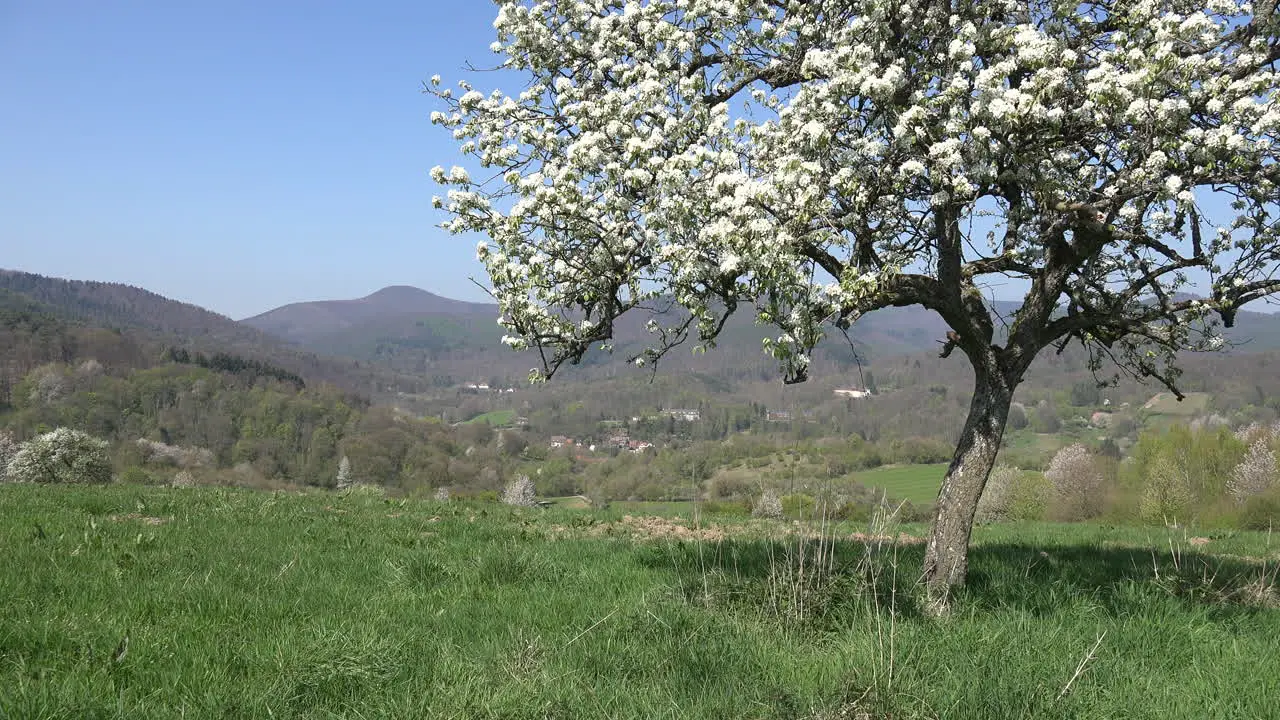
[946,555]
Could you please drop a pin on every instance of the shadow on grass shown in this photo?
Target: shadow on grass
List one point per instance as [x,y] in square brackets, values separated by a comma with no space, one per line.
[1121,581]
[777,576]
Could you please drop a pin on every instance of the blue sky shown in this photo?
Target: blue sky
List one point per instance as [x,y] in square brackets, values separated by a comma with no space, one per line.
[237,155]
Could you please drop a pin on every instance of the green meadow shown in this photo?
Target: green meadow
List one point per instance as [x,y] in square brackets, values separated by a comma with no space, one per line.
[143,602]
[917,483]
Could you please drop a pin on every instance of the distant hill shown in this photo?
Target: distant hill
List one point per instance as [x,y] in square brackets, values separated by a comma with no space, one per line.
[307,323]
[416,331]
[418,352]
[404,340]
[156,321]
[121,306]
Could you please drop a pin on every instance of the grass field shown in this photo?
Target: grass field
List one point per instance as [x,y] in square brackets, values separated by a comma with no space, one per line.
[1029,449]
[917,483]
[496,418]
[136,602]
[1195,403]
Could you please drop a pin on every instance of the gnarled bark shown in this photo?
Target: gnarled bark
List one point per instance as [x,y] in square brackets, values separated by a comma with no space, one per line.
[946,560]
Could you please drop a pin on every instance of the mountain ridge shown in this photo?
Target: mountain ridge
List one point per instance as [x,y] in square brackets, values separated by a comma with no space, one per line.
[162,321]
[417,331]
[415,328]
[402,339]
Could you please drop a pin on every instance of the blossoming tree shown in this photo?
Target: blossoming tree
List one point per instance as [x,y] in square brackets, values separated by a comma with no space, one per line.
[815,160]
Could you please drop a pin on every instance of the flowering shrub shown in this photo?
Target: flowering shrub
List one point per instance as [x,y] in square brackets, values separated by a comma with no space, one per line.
[768,506]
[1077,483]
[47,384]
[183,457]
[520,492]
[1256,473]
[343,480]
[8,447]
[997,497]
[61,456]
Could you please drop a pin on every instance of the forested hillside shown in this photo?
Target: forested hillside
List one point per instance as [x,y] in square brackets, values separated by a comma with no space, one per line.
[86,310]
[445,340]
[449,343]
[231,404]
[249,428]
[166,408]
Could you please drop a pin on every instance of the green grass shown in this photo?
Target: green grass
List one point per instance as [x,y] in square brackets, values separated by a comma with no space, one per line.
[1195,403]
[917,483]
[244,604]
[1039,444]
[496,418]
[657,508]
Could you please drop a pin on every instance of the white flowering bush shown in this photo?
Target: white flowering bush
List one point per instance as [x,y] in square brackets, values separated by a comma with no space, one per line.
[1077,483]
[1248,433]
[89,368]
[8,447]
[154,451]
[768,505]
[442,494]
[520,492]
[1256,473]
[997,499]
[343,479]
[61,456]
[47,384]
[814,161]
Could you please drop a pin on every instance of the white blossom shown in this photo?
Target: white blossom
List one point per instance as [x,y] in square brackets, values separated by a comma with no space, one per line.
[800,167]
[8,447]
[520,492]
[62,455]
[768,506]
[1256,473]
[343,480]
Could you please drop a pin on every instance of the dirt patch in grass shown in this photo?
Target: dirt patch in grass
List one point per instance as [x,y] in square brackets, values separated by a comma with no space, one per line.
[901,538]
[644,527]
[651,527]
[139,517]
[659,528]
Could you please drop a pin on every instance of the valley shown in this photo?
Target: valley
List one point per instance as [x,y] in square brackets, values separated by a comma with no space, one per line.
[279,399]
